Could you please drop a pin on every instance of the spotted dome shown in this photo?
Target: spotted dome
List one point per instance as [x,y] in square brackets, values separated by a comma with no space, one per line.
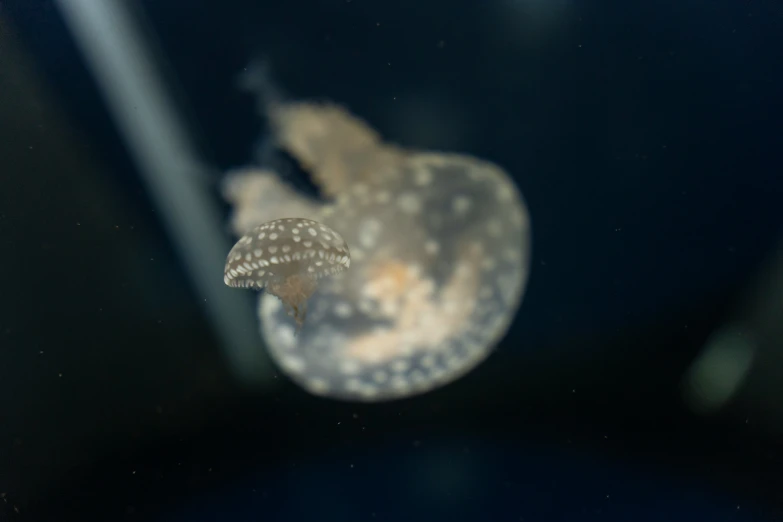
[287,257]
[284,248]
[440,247]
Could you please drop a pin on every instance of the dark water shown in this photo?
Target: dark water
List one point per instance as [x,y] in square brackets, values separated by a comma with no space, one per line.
[646,138]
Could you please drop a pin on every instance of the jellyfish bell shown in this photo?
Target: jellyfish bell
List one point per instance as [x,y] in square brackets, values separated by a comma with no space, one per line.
[287,257]
[440,247]
[436,278]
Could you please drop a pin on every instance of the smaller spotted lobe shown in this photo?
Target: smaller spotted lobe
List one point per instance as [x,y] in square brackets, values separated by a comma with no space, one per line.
[273,257]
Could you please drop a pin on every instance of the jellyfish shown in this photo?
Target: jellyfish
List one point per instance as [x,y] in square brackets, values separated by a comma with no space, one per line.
[440,254]
[287,257]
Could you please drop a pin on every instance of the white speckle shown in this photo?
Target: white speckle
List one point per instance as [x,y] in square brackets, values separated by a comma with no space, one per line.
[368,232]
[461,205]
[258,252]
[368,391]
[272,249]
[511,254]
[488,264]
[285,333]
[494,228]
[353,385]
[366,306]
[400,384]
[504,193]
[428,361]
[454,362]
[295,230]
[517,218]
[318,386]
[292,364]
[417,376]
[343,310]
[312,232]
[349,367]
[400,366]
[360,189]
[262,235]
[409,203]
[273,236]
[422,177]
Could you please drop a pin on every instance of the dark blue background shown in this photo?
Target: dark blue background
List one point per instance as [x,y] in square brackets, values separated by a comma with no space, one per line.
[646,139]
